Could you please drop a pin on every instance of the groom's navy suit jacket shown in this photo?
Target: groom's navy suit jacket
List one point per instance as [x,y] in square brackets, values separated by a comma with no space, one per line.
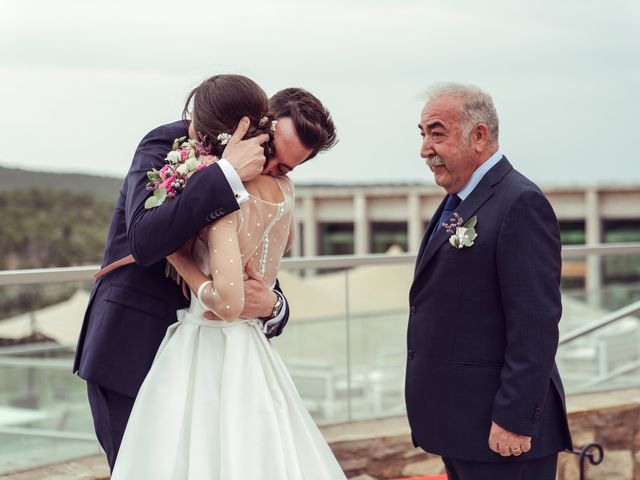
[130,308]
[483,327]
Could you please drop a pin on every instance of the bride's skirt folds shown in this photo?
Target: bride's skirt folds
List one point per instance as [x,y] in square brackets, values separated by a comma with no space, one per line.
[219,404]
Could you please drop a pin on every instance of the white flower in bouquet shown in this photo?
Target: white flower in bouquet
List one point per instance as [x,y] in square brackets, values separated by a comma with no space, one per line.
[174,157]
[191,164]
[183,169]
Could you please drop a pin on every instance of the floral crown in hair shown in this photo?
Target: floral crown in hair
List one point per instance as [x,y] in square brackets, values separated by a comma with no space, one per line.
[224,137]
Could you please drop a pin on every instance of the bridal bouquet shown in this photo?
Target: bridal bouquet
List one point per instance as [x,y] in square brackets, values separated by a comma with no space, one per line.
[185,158]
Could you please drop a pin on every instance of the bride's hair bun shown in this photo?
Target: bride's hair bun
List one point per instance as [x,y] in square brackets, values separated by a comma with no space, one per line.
[217,105]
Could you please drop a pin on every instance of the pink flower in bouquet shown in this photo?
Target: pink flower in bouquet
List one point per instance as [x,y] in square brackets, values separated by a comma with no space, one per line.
[163,172]
[185,158]
[167,186]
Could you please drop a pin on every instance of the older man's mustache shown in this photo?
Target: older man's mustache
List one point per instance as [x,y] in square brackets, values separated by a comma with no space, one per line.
[435,161]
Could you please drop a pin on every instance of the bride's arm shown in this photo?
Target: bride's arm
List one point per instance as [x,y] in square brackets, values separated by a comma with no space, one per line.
[224,295]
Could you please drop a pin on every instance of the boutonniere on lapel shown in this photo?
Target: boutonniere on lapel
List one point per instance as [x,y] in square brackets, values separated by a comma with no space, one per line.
[463,234]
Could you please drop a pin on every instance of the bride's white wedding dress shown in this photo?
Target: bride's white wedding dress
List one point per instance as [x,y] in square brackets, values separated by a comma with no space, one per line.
[218,402]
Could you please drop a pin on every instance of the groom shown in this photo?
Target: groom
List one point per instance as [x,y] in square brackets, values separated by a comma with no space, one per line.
[131,307]
[482,387]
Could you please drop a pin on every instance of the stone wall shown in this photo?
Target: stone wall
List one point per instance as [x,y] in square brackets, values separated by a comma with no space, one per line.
[382,449]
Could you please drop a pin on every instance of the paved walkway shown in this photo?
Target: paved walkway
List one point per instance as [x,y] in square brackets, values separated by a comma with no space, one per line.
[88,468]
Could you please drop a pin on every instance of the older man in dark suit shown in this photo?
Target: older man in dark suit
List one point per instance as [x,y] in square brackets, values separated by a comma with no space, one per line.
[482,387]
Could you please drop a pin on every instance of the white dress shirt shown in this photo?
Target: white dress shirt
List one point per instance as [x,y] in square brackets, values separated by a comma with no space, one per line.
[233,178]
[478,174]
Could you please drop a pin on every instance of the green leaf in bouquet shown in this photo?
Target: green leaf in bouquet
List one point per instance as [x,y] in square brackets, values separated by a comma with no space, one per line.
[151,202]
[177,142]
[160,194]
[472,222]
[471,233]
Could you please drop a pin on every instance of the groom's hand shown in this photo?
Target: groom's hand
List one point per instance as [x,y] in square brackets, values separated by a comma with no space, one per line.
[245,156]
[507,443]
[259,299]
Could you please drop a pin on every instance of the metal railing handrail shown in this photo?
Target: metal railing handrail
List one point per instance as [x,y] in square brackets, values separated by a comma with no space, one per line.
[44,433]
[85,273]
[603,322]
[573,251]
[37,347]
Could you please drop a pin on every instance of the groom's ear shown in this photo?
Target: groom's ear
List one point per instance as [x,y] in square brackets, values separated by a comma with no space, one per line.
[480,137]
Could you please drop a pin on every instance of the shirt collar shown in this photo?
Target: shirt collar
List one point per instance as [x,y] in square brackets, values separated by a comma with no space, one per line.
[478,174]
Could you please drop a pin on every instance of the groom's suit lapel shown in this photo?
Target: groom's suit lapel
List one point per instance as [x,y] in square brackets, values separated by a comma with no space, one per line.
[483,192]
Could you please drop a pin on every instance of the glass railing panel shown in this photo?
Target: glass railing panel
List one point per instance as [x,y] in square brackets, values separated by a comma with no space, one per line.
[44,414]
[378,316]
[608,358]
[314,343]
[345,347]
[23,452]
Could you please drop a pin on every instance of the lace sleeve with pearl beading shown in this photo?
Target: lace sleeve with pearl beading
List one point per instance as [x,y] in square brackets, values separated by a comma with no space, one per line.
[224,294]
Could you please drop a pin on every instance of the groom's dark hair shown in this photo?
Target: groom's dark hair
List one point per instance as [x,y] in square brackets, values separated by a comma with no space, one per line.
[311,119]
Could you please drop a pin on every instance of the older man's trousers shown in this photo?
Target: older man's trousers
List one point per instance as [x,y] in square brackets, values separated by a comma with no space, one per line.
[538,469]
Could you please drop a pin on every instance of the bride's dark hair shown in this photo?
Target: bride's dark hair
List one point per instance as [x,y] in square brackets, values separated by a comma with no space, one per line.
[218,105]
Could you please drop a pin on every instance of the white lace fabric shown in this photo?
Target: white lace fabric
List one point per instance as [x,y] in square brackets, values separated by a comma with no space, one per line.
[258,234]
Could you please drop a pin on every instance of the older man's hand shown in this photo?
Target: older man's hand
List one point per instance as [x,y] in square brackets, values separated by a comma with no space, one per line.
[507,443]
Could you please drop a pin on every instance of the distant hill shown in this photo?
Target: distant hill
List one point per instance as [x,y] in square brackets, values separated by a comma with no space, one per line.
[106,188]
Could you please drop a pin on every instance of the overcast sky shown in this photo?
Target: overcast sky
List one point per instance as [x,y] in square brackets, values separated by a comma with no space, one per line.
[82,81]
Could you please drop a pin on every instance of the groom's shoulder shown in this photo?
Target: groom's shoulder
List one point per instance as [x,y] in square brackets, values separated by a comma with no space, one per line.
[168,132]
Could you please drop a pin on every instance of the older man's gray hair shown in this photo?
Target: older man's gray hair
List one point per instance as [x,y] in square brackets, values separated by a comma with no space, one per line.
[477,107]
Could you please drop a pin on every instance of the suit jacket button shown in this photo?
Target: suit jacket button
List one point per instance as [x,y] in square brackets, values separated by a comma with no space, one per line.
[412,310]
[411,354]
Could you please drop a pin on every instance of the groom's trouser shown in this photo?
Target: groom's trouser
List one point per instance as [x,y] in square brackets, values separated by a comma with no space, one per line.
[539,469]
[110,411]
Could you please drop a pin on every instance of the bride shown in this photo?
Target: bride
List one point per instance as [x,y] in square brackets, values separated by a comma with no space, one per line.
[218,402]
